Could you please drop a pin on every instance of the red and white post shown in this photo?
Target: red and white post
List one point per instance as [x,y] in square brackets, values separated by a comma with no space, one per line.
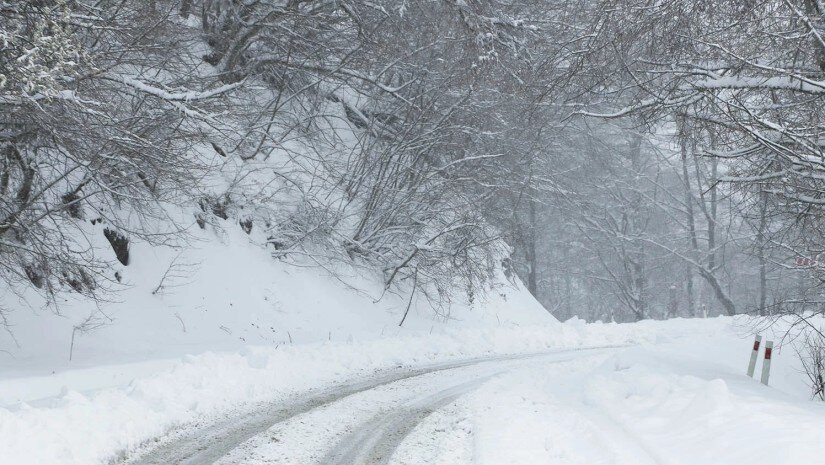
[766,365]
[754,355]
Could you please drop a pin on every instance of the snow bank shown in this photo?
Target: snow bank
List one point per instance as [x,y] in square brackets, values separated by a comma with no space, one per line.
[685,412]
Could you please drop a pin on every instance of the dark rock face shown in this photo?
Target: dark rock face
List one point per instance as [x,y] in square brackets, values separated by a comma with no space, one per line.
[120,244]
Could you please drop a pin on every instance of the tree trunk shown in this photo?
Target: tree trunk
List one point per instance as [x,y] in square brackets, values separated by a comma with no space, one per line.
[760,243]
[706,274]
[690,221]
[185,8]
[719,292]
[691,299]
[713,215]
[532,260]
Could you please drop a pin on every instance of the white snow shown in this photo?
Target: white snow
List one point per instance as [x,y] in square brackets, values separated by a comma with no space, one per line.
[265,331]
[678,401]
[59,431]
[641,408]
[677,394]
[230,294]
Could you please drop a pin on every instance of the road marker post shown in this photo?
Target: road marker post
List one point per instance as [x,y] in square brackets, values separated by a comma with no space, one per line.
[754,355]
[766,364]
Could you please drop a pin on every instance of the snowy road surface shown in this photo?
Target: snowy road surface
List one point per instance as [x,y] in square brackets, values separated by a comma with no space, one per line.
[671,393]
[359,423]
[579,407]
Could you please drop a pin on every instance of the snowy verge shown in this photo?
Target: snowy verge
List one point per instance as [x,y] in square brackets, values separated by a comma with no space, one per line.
[678,412]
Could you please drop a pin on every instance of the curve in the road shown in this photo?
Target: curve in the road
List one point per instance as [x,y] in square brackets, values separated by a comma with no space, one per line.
[205,444]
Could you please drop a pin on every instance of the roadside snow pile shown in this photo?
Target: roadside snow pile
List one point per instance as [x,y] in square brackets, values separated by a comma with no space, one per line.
[689,401]
[720,418]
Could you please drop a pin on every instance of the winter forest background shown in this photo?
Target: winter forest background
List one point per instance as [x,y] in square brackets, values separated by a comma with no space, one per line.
[626,159]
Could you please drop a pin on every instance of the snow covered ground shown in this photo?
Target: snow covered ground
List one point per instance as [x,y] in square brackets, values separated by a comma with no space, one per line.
[272,348]
[669,392]
[225,292]
[638,407]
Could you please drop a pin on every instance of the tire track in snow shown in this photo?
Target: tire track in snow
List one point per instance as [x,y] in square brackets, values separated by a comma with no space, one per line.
[205,444]
[376,441]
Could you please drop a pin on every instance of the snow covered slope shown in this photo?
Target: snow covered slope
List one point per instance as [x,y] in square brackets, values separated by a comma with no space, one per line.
[223,292]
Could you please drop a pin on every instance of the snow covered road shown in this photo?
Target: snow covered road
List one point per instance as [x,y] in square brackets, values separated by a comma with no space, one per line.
[671,393]
[616,406]
[358,423]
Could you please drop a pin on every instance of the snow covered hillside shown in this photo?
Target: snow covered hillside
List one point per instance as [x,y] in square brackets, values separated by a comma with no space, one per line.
[224,291]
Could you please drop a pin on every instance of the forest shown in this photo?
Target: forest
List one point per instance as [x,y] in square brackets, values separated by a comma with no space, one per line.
[404,232]
[626,159]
